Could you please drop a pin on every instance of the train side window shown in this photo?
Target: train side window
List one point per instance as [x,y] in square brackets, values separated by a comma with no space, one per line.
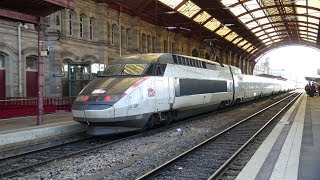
[179,60]
[204,65]
[184,61]
[150,70]
[188,62]
[159,71]
[192,62]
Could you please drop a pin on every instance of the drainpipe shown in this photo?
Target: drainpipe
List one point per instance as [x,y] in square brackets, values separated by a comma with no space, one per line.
[19,60]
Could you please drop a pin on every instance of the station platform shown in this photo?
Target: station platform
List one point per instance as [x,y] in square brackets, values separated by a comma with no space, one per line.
[24,129]
[292,149]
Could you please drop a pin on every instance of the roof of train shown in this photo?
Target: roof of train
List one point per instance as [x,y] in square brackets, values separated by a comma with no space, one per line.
[153,58]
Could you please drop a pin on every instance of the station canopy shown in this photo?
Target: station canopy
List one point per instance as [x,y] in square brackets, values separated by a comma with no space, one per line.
[246,27]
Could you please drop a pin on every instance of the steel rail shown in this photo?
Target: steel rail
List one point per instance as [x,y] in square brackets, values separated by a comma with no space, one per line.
[160,167]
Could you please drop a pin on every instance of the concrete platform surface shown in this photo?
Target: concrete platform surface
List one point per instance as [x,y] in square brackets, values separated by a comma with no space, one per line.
[292,150]
[21,129]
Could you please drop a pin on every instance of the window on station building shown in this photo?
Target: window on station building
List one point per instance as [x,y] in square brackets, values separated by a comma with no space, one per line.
[58,20]
[70,23]
[31,63]
[113,33]
[149,45]
[81,25]
[2,61]
[123,37]
[165,46]
[91,28]
[153,44]
[128,37]
[144,43]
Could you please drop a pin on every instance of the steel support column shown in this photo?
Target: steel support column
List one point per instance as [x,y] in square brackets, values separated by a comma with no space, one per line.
[40,28]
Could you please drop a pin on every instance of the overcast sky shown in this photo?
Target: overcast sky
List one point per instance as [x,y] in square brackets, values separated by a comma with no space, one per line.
[298,61]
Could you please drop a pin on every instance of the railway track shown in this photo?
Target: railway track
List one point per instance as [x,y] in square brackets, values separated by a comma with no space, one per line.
[22,162]
[14,163]
[209,159]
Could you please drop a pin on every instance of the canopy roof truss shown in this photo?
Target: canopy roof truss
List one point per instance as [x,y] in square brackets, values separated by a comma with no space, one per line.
[246,27]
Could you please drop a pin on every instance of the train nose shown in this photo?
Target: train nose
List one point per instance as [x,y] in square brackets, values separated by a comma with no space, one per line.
[93,113]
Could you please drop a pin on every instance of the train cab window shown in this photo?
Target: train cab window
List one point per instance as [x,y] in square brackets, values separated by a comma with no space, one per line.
[111,69]
[150,70]
[159,70]
[133,69]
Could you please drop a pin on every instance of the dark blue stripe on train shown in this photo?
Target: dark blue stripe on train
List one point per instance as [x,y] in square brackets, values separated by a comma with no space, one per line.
[196,86]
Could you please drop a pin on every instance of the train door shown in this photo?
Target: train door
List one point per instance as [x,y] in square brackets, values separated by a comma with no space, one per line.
[162,94]
[32,76]
[2,78]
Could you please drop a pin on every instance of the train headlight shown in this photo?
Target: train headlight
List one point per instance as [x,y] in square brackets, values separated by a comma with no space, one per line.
[82,98]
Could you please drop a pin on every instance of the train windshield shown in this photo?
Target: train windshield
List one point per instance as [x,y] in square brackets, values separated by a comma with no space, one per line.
[111,69]
[127,69]
[133,69]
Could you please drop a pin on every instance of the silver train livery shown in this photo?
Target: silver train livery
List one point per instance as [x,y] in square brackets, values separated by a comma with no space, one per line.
[136,92]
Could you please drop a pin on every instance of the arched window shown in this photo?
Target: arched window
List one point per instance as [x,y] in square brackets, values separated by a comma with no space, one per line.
[91,28]
[144,43]
[172,47]
[31,63]
[128,37]
[149,45]
[81,26]
[2,61]
[153,44]
[165,46]
[123,37]
[113,33]
[70,23]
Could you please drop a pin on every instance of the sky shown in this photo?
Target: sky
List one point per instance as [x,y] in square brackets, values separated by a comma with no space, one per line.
[297,61]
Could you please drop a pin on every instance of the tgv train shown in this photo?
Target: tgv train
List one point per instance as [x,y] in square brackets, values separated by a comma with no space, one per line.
[136,92]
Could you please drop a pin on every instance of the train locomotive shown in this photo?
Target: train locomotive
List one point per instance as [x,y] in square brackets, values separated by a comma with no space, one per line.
[140,91]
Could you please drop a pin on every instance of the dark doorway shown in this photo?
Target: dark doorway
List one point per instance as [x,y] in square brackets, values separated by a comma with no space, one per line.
[32,76]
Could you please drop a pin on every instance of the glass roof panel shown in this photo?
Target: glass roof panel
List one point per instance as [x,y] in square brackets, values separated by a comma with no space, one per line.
[237,10]
[302,3]
[246,46]
[270,30]
[266,26]
[237,40]
[276,40]
[245,18]
[253,51]
[241,43]
[273,11]
[250,48]
[251,5]
[302,28]
[171,3]
[313,30]
[263,21]
[313,20]
[268,43]
[256,29]
[223,31]
[263,37]
[252,25]
[202,17]
[227,3]
[272,34]
[189,9]
[258,14]
[314,3]
[213,24]
[260,33]
[313,26]
[231,36]
[266,40]
[312,37]
[275,37]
